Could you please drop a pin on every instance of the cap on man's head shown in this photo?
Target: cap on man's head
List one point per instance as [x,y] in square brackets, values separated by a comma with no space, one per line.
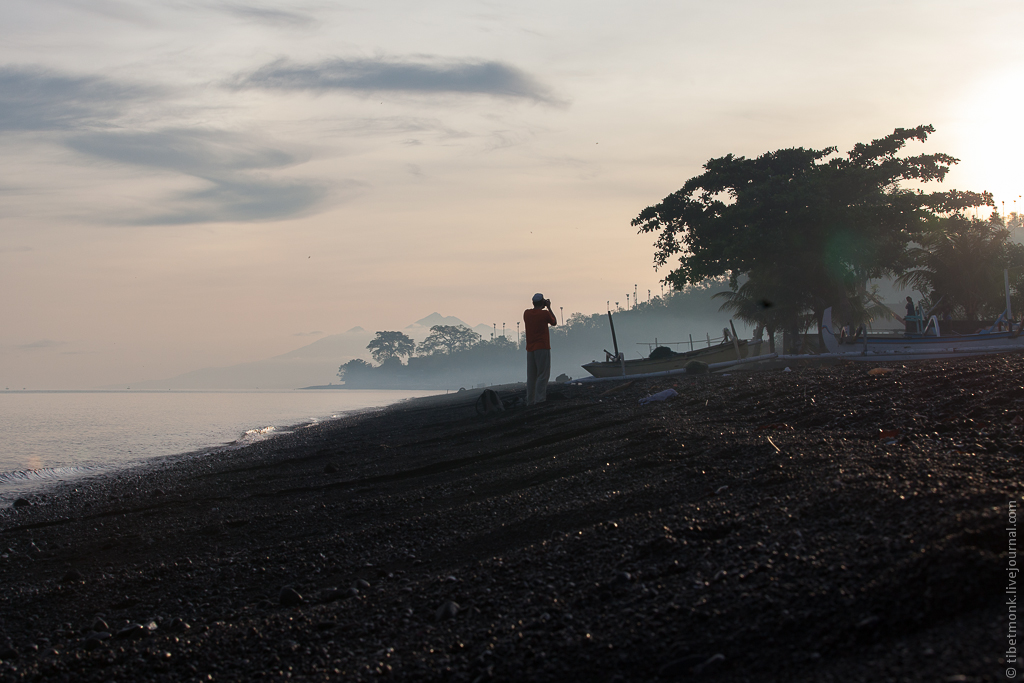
[538,297]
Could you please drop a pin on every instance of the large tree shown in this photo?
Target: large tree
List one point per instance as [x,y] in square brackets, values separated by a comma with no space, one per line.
[354,370]
[387,345]
[449,339]
[809,224]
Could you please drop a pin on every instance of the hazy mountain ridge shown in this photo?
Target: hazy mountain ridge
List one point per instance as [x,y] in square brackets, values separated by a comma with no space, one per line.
[315,363]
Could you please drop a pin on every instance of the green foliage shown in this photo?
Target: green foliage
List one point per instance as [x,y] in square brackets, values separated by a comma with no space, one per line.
[960,260]
[806,227]
[449,339]
[390,345]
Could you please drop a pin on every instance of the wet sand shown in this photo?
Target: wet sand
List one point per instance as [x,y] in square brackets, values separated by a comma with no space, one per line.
[822,524]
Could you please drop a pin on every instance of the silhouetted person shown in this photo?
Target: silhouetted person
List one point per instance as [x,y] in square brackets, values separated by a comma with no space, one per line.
[538,348]
[908,321]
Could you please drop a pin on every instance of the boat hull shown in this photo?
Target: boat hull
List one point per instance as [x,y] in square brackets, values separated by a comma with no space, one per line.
[643,366]
[920,348]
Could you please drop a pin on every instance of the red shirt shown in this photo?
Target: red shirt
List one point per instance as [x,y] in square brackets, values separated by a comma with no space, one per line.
[537,321]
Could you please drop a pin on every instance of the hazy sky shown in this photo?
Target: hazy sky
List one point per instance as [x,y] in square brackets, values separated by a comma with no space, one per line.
[191,183]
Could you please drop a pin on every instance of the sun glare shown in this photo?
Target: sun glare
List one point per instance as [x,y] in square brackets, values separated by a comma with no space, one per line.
[989,140]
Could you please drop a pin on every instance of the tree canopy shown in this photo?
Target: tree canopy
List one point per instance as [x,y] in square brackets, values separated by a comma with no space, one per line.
[388,345]
[354,369]
[449,339]
[805,225]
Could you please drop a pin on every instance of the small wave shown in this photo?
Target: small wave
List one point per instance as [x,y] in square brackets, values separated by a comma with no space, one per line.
[257,435]
[47,474]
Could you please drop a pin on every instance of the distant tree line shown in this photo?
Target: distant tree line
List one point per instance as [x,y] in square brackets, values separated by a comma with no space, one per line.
[455,356]
[450,355]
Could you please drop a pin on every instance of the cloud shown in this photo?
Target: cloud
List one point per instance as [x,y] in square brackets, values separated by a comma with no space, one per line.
[81,112]
[201,153]
[226,161]
[314,333]
[111,9]
[40,344]
[265,15]
[245,200]
[375,75]
[35,99]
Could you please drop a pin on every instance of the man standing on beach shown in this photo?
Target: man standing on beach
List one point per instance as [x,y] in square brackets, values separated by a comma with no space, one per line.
[910,326]
[538,348]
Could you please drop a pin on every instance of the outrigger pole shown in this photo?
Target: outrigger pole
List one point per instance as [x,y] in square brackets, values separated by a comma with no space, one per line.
[615,345]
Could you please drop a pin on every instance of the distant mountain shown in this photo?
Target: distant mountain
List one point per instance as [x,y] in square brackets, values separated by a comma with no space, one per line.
[313,364]
[421,328]
[435,318]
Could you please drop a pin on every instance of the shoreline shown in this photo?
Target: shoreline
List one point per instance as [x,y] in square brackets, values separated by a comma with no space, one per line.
[755,527]
[35,484]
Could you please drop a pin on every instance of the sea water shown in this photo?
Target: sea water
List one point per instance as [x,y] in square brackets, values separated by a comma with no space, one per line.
[53,436]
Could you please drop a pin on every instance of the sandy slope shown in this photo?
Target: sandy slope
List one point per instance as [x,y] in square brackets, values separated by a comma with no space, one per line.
[755,528]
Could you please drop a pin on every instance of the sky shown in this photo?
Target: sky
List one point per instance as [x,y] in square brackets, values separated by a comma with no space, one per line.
[195,183]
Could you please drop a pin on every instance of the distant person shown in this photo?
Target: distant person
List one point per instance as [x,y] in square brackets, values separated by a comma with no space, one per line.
[908,322]
[538,348]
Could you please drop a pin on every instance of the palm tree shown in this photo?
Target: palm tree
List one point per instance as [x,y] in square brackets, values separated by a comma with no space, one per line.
[766,303]
[961,260]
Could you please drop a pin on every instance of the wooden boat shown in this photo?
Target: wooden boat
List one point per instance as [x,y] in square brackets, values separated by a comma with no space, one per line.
[929,344]
[719,353]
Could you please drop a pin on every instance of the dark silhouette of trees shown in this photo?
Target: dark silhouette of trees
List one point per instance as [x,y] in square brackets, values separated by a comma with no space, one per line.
[803,224]
[961,261]
[449,339]
[354,370]
[391,345]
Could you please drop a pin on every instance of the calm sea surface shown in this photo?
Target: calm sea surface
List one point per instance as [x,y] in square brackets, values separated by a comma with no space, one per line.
[50,436]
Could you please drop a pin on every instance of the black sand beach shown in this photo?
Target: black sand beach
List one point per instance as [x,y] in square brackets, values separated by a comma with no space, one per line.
[822,524]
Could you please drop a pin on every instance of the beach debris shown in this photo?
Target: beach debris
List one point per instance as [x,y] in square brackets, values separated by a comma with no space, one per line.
[446,611]
[621,579]
[99,625]
[782,426]
[691,665]
[786,369]
[289,597]
[489,403]
[72,576]
[329,468]
[712,662]
[696,367]
[888,433]
[618,388]
[880,371]
[21,503]
[777,449]
[95,639]
[131,631]
[178,625]
[660,396]
[362,584]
